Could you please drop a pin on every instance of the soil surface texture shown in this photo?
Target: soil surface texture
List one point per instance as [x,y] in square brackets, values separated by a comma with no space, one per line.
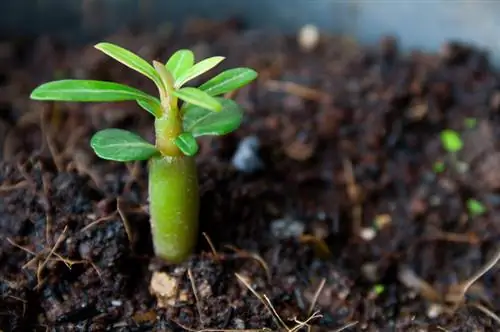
[343,221]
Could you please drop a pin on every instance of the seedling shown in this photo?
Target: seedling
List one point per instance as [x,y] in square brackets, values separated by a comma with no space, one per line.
[452,143]
[475,207]
[438,167]
[181,115]
[470,123]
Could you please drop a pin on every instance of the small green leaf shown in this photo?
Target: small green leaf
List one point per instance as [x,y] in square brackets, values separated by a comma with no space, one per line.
[87,91]
[201,122]
[199,98]
[121,145]
[378,289]
[197,70]
[165,76]
[152,106]
[475,207]
[228,81]
[180,62]
[470,123]
[451,140]
[130,60]
[438,167]
[187,144]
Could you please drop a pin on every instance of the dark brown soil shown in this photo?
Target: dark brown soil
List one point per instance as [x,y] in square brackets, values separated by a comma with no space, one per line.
[348,136]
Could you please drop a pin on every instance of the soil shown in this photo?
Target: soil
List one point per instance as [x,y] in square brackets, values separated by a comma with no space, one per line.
[346,218]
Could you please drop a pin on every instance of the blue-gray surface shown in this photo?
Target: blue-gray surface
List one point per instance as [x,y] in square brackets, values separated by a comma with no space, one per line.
[420,24]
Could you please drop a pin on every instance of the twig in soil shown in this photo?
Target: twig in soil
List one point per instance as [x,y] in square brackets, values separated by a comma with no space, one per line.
[97,221]
[454,237]
[41,266]
[24,302]
[408,278]
[261,299]
[47,206]
[315,297]
[80,162]
[265,329]
[49,141]
[212,247]
[133,171]
[348,325]
[455,297]
[51,255]
[486,311]
[354,195]
[305,323]
[457,293]
[442,329]
[297,90]
[72,141]
[26,176]
[267,303]
[125,222]
[260,260]
[195,293]
[11,187]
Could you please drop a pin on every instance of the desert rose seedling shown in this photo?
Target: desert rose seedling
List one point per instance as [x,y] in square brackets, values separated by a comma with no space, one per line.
[181,114]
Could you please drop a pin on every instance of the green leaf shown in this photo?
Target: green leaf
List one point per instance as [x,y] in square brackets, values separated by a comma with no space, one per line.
[121,145]
[470,123]
[180,62]
[439,167]
[187,144]
[199,98]
[228,80]
[451,140]
[87,91]
[197,70]
[130,60]
[475,207]
[201,122]
[153,106]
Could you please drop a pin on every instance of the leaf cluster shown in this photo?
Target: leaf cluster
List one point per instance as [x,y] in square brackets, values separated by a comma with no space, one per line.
[204,109]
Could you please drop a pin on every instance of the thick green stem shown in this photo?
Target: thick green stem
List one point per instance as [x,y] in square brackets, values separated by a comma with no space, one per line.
[173,206]
[167,128]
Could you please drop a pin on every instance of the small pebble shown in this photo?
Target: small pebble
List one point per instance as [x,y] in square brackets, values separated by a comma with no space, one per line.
[239,323]
[287,228]
[370,271]
[246,158]
[308,37]
[368,233]
[434,311]
[116,303]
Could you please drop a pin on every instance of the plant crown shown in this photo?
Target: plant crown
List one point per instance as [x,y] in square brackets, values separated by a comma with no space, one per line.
[204,110]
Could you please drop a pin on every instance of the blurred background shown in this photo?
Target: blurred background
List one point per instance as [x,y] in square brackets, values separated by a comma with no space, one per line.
[419,24]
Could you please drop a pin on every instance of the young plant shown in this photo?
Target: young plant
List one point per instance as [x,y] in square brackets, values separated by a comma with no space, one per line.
[470,123]
[181,115]
[452,143]
[475,207]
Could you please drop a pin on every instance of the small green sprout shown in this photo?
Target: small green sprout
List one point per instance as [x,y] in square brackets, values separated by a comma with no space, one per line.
[451,141]
[475,207]
[470,123]
[439,167]
[181,115]
[378,289]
